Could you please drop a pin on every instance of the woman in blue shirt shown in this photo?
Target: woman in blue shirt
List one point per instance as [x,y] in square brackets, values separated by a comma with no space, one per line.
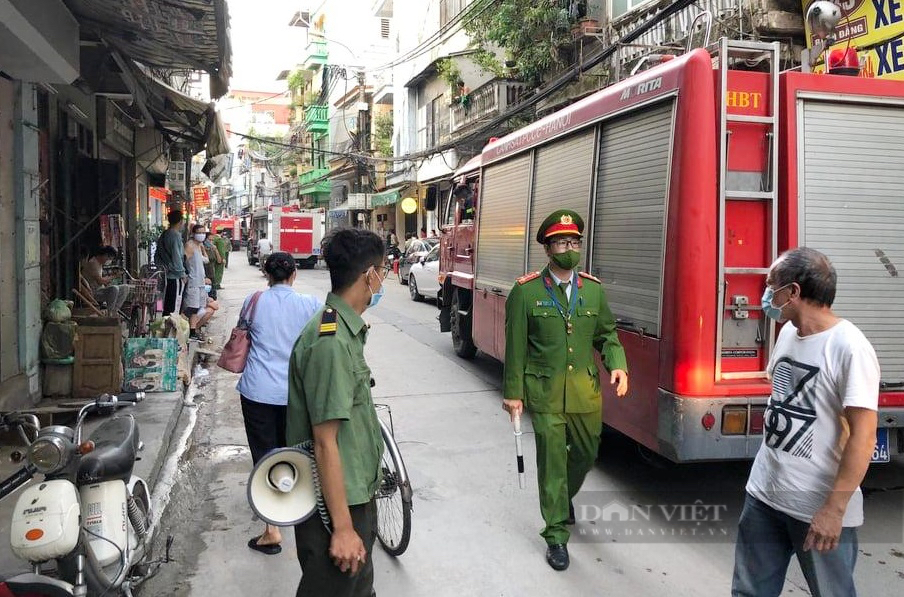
[276,323]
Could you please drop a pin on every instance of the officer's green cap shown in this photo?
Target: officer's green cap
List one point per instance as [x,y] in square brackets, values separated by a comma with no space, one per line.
[561,221]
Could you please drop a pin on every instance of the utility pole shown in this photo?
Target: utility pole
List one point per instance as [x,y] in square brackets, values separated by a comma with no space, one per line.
[364,181]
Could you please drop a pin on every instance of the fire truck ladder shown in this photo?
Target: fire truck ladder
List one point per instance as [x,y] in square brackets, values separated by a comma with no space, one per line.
[753,52]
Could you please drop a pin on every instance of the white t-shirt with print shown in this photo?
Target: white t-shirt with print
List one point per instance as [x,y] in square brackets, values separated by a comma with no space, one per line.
[814,378]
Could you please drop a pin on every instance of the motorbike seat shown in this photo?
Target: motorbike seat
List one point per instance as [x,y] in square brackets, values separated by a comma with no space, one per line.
[115,448]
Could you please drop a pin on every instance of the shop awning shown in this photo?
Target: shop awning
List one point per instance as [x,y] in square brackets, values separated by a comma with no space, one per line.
[172,34]
[178,116]
[387,197]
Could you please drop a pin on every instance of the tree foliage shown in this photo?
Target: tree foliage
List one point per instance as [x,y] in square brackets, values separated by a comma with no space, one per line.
[296,81]
[532,34]
[383,134]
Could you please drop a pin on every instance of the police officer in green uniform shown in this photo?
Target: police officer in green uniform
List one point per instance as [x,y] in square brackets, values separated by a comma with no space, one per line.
[330,403]
[554,319]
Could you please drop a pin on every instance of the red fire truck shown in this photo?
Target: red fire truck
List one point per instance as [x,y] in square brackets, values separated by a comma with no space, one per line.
[232,230]
[295,232]
[692,177]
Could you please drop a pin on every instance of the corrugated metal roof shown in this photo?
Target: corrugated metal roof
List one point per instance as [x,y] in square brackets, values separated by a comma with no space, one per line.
[170,34]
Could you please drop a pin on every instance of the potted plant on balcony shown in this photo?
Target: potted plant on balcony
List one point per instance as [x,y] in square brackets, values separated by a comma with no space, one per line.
[449,72]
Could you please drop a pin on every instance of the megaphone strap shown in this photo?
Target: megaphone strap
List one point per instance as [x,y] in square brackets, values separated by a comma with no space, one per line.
[307,447]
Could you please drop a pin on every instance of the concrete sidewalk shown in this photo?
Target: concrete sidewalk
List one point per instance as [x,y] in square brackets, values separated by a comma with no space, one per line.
[157,417]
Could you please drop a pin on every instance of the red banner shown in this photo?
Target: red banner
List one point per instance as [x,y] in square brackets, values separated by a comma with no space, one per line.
[201,197]
[159,193]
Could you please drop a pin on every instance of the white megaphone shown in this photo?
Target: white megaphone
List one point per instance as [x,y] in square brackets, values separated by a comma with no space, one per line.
[281,489]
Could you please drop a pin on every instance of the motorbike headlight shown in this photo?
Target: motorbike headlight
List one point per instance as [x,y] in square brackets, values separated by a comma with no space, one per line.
[47,454]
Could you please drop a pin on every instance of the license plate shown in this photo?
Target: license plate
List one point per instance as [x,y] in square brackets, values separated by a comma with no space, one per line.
[880,453]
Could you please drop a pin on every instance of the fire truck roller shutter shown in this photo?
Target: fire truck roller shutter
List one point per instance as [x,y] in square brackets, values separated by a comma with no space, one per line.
[563,173]
[852,209]
[630,212]
[503,217]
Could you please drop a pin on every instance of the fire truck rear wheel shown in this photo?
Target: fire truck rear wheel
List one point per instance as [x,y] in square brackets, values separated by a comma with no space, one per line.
[462,342]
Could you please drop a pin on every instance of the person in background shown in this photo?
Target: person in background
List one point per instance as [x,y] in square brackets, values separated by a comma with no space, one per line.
[803,495]
[330,403]
[423,233]
[219,256]
[209,250]
[195,297]
[264,248]
[278,319]
[409,240]
[209,307]
[393,239]
[102,287]
[170,254]
[434,234]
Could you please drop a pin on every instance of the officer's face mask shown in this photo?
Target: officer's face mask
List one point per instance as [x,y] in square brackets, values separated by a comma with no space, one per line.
[773,311]
[571,256]
[374,296]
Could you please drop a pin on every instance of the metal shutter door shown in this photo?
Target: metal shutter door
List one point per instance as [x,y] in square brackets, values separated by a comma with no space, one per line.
[630,211]
[563,174]
[852,209]
[500,240]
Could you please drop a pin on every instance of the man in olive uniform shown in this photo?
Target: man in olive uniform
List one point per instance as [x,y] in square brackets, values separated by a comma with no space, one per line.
[554,319]
[330,403]
[223,246]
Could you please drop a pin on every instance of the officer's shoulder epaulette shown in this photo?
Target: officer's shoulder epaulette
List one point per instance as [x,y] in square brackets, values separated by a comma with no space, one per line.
[528,277]
[328,325]
[589,277]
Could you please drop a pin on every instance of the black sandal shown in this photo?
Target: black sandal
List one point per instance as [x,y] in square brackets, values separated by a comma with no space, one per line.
[270,550]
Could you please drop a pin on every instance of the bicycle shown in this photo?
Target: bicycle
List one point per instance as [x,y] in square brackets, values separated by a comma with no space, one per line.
[394,496]
[142,307]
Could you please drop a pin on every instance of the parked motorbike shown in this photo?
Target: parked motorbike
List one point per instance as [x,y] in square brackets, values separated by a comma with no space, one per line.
[393,255]
[90,515]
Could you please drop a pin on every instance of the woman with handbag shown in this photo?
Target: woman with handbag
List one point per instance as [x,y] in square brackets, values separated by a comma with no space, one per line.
[273,318]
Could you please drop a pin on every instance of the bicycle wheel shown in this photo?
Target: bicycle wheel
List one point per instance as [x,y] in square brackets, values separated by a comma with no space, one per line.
[393,499]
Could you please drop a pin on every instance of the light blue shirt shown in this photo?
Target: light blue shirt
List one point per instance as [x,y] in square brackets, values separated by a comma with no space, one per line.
[278,320]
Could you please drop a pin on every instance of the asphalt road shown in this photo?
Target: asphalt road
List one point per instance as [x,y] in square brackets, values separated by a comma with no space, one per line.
[475,533]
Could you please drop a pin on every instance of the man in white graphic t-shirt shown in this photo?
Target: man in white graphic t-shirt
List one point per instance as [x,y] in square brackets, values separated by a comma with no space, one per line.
[803,494]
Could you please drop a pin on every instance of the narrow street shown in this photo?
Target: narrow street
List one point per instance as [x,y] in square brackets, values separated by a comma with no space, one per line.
[474,531]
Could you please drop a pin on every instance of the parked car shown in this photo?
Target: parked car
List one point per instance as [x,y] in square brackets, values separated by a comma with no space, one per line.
[419,248]
[423,276]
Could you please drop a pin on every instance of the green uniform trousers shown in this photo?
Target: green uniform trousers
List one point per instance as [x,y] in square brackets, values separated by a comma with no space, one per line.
[567,445]
[217,277]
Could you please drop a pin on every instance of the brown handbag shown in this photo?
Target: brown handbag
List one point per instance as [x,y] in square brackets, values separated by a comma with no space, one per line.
[235,353]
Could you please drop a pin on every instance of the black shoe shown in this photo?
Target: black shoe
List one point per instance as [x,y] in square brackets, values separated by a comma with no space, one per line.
[557,556]
[570,519]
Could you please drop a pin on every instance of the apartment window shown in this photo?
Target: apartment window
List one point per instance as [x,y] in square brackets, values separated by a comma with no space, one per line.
[449,9]
[619,7]
[437,121]
[384,28]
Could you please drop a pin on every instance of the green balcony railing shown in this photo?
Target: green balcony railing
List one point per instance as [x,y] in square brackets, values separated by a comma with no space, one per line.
[317,119]
[317,55]
[314,181]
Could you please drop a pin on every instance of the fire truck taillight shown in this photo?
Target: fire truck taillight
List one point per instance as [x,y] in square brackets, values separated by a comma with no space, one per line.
[734,420]
[708,421]
[757,414]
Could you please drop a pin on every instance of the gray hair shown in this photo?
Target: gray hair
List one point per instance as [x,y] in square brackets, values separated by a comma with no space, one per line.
[811,270]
